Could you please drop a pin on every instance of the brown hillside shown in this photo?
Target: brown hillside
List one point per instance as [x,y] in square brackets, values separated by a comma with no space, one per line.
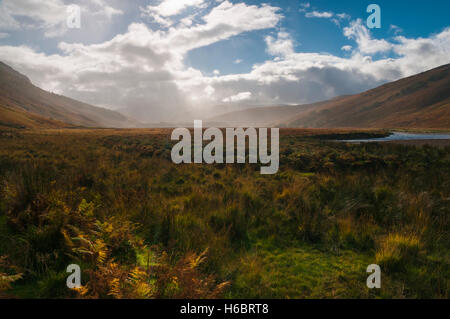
[25,105]
[419,101]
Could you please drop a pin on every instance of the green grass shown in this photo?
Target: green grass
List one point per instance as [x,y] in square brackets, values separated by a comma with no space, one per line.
[303,272]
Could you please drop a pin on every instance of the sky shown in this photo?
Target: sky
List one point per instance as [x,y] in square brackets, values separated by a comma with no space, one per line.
[170,60]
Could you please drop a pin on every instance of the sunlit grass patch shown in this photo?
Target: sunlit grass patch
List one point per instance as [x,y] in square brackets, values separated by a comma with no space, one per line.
[397,251]
[302,272]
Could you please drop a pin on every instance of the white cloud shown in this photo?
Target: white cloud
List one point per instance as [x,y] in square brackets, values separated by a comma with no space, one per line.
[335,18]
[222,22]
[187,21]
[396,29]
[346,48]
[417,55]
[169,8]
[281,46]
[43,14]
[166,9]
[101,8]
[242,96]
[237,61]
[141,69]
[209,90]
[343,16]
[307,77]
[49,15]
[4,35]
[363,38]
[339,18]
[318,14]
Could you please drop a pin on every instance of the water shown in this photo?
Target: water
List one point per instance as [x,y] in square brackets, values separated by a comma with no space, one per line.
[396,136]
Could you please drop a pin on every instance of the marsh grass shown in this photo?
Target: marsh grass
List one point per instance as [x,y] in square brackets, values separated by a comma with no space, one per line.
[113,202]
[397,251]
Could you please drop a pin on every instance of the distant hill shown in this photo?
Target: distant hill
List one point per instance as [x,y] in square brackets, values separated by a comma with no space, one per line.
[419,101]
[260,116]
[24,105]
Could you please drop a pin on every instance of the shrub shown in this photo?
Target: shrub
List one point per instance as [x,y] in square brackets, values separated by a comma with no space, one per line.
[7,277]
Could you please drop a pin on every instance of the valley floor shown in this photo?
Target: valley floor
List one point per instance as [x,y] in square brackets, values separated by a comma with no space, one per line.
[140,226]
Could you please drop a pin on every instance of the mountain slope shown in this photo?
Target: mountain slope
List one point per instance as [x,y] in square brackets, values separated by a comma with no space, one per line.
[11,117]
[261,116]
[419,101]
[35,107]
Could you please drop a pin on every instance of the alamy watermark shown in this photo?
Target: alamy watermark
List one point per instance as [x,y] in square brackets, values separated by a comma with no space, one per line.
[374,279]
[73,17]
[236,141]
[74,279]
[374,20]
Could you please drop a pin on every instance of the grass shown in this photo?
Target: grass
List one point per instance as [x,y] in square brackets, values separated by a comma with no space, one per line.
[142,227]
[396,251]
[302,272]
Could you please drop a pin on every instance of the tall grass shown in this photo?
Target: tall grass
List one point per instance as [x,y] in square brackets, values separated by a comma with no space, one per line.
[106,200]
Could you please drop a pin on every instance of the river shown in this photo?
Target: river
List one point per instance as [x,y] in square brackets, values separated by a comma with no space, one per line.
[397,136]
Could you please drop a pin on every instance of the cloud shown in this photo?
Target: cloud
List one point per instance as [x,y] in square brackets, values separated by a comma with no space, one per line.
[335,18]
[340,17]
[141,69]
[41,14]
[209,90]
[4,35]
[168,8]
[308,77]
[7,21]
[281,46]
[299,78]
[49,15]
[346,48]
[417,55]
[99,7]
[242,96]
[343,16]
[223,22]
[363,38]
[318,14]
[396,29]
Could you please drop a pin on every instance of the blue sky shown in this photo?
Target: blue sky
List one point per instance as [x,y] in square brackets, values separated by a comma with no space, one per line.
[416,18]
[164,58]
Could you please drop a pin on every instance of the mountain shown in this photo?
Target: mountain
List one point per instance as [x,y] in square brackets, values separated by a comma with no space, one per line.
[262,116]
[24,105]
[419,101]
[11,117]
